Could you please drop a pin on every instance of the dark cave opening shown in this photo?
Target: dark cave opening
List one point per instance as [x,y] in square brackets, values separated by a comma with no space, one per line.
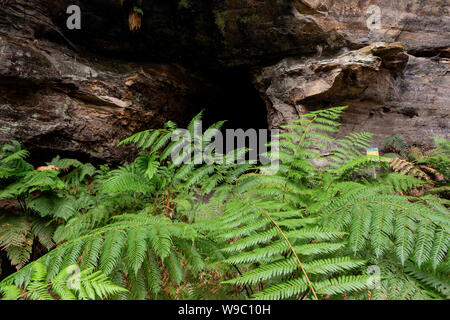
[236,100]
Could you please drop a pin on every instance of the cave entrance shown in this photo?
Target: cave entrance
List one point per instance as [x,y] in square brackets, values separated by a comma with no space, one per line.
[236,100]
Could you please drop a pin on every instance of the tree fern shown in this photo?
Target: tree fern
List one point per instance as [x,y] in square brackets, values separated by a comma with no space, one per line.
[266,219]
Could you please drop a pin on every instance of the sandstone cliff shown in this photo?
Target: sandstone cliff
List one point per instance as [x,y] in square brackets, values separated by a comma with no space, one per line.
[82,91]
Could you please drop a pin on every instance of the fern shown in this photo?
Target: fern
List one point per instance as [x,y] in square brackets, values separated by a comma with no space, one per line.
[407,168]
[380,219]
[132,239]
[85,285]
[396,144]
[349,149]
[263,216]
[267,221]
[437,279]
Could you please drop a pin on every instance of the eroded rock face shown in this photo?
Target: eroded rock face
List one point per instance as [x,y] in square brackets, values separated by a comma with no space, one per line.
[52,99]
[390,88]
[388,92]
[421,25]
[72,106]
[67,91]
[295,86]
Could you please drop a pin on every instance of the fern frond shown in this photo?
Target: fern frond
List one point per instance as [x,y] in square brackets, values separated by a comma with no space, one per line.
[434,279]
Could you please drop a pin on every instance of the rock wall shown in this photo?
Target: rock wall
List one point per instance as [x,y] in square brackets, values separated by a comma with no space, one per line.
[398,86]
[82,91]
[54,99]
[388,91]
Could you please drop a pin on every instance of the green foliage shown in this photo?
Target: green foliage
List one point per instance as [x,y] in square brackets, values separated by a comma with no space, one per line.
[39,200]
[396,144]
[333,226]
[138,10]
[435,278]
[159,228]
[271,226]
[131,240]
[439,157]
[68,284]
[432,166]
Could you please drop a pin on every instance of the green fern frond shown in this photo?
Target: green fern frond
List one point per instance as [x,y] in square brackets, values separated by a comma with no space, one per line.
[66,285]
[434,279]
